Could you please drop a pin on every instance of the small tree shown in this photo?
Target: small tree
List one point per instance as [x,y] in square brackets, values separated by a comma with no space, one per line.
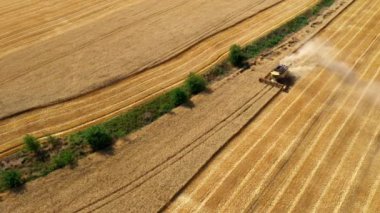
[64,158]
[195,83]
[98,138]
[179,96]
[11,179]
[237,56]
[31,144]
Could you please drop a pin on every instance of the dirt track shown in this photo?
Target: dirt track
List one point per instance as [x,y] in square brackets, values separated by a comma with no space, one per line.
[315,149]
[105,103]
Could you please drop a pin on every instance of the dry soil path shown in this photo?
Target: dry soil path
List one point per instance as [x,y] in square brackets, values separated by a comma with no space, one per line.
[313,150]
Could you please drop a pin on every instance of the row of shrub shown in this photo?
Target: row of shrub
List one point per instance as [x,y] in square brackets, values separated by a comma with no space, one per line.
[147,113]
[238,55]
[102,136]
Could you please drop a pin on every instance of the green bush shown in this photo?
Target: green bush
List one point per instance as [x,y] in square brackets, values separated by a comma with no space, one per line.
[31,144]
[64,158]
[98,138]
[11,179]
[237,57]
[195,83]
[165,108]
[179,96]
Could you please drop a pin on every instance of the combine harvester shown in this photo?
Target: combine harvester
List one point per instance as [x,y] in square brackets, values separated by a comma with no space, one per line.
[280,77]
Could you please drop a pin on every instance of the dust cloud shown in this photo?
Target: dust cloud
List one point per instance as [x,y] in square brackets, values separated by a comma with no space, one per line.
[318,54]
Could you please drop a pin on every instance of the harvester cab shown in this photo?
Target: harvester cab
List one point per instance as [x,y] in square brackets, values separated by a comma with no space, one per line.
[279,77]
[280,72]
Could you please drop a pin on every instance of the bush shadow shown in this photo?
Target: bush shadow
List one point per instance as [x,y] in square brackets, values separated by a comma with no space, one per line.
[189,104]
[208,91]
[109,151]
[18,190]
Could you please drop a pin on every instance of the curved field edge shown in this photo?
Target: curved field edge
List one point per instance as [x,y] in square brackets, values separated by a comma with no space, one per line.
[118,77]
